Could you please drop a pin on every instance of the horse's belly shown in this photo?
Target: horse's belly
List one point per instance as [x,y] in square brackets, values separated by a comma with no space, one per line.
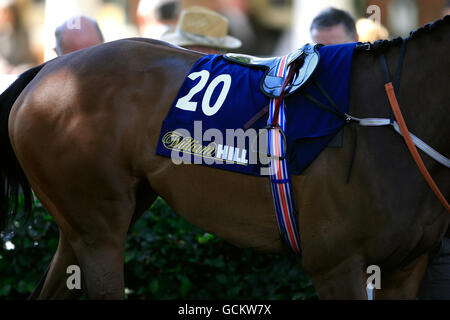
[236,207]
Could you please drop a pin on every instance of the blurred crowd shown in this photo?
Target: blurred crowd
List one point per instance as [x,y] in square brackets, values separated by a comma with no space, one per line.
[253,27]
[14,39]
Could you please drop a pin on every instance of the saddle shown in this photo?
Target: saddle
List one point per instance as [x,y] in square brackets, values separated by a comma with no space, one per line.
[271,85]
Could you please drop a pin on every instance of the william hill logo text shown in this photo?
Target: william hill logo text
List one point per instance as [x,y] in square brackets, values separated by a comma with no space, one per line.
[176,142]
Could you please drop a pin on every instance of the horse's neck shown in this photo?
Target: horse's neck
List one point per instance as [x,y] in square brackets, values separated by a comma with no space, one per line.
[424,93]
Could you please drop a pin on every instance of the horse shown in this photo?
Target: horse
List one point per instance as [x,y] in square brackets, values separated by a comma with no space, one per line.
[81,130]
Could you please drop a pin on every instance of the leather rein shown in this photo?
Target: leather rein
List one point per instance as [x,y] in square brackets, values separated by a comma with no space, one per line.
[399,124]
[393,101]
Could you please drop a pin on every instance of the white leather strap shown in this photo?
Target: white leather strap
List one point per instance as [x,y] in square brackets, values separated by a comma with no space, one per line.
[379,122]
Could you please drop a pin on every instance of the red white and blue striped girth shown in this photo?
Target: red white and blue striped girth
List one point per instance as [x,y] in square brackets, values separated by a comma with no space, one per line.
[279,173]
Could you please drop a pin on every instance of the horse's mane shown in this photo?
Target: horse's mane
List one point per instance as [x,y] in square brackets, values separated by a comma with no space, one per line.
[382,45]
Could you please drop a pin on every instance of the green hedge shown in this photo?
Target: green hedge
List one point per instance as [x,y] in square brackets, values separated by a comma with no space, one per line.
[166,258]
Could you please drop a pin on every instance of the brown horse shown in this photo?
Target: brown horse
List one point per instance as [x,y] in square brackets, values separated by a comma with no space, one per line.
[84,128]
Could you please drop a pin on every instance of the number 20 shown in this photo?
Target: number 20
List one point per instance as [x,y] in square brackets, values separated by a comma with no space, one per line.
[185,103]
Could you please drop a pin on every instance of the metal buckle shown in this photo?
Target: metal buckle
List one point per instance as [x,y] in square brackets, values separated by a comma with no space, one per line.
[283,157]
[349,119]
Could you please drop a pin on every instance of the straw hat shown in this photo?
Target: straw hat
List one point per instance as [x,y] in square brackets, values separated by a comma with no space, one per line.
[200,26]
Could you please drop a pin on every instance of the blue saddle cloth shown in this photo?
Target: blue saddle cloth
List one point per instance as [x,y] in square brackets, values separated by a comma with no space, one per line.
[219,94]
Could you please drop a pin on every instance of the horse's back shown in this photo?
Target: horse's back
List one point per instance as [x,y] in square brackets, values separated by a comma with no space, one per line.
[132,64]
[110,91]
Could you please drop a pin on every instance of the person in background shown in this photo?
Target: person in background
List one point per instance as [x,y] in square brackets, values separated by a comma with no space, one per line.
[15,51]
[370,31]
[333,26]
[77,33]
[204,30]
[155,17]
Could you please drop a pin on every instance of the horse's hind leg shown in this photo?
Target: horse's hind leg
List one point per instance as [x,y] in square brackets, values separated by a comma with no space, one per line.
[101,253]
[94,213]
[54,283]
[97,237]
[403,283]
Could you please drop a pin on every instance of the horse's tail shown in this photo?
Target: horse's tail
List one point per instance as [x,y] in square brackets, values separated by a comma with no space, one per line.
[12,178]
